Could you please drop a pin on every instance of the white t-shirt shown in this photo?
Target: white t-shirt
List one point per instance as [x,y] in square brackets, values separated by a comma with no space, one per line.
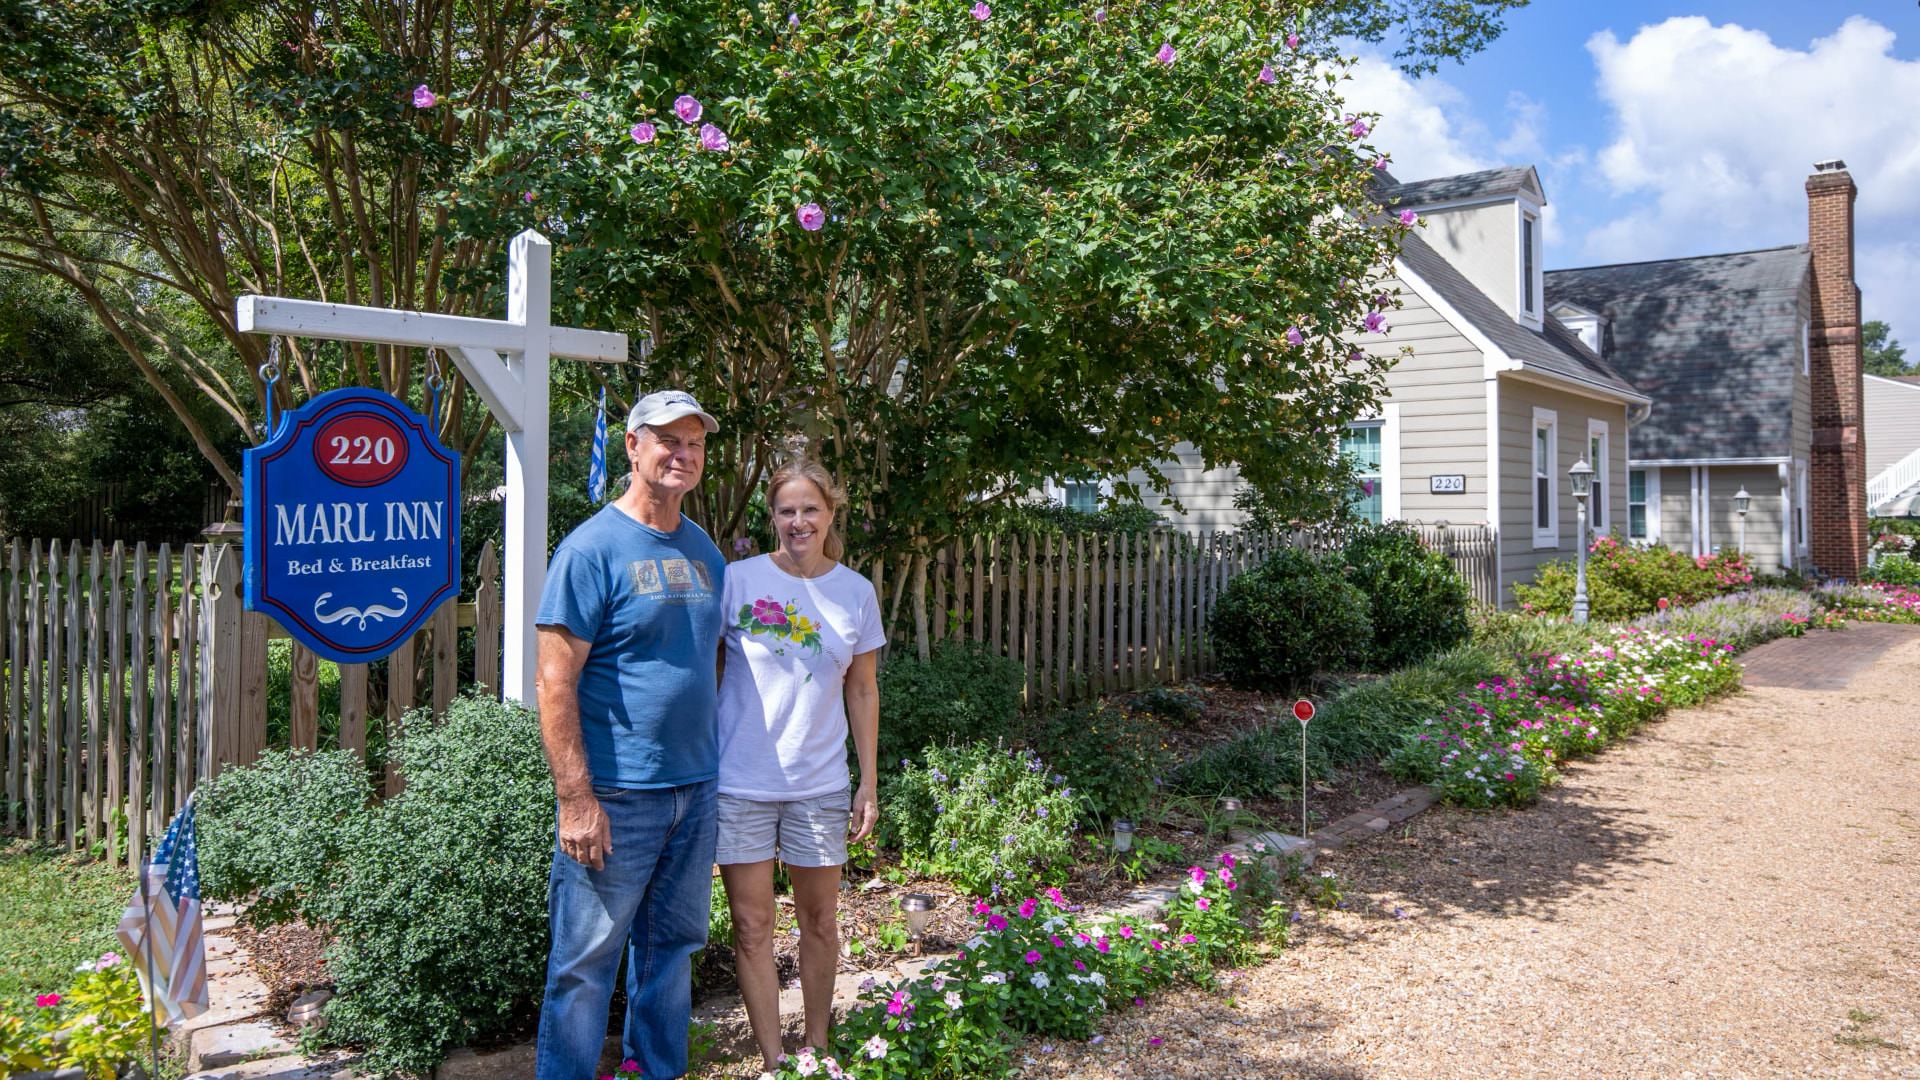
[783,713]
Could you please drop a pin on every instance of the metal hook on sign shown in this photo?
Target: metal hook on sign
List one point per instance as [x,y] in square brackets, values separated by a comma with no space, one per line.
[270,375]
[434,384]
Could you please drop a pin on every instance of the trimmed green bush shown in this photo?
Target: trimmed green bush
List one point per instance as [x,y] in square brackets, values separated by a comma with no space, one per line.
[1894,570]
[961,693]
[281,828]
[1283,622]
[1426,596]
[1176,707]
[440,922]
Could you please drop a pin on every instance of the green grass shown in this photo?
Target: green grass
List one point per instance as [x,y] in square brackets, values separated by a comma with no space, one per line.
[60,911]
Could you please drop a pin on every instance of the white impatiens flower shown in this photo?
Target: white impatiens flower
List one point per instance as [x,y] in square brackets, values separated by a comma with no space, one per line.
[1039,980]
[994,977]
[975,942]
[1097,979]
[952,999]
[1196,888]
[875,1048]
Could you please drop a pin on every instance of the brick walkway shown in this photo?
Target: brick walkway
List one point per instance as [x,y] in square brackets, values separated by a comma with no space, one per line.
[1823,661]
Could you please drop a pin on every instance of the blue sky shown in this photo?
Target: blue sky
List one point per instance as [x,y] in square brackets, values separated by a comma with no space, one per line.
[1670,129]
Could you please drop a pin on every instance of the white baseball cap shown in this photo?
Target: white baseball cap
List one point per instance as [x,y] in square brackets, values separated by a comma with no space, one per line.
[666,406]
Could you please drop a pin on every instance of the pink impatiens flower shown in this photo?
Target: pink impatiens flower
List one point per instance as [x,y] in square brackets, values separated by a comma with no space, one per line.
[811,217]
[1203,903]
[643,132]
[996,922]
[981,907]
[687,108]
[1166,54]
[1028,907]
[1188,939]
[1032,957]
[1266,74]
[981,11]
[713,138]
[424,98]
[46,1001]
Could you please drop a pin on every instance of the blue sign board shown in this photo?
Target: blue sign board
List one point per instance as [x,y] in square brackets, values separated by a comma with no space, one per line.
[352,516]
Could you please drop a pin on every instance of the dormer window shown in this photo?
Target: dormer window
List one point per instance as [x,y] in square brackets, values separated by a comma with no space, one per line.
[1530,296]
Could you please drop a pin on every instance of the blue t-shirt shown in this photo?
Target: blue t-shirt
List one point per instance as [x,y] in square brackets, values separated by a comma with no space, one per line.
[649,602]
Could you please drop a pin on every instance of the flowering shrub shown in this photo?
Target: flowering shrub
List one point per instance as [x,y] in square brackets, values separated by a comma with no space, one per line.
[1501,742]
[983,816]
[1872,603]
[1742,620]
[1207,919]
[1624,581]
[1894,569]
[98,1024]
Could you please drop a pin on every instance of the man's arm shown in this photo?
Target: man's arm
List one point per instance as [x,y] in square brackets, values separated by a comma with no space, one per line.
[584,833]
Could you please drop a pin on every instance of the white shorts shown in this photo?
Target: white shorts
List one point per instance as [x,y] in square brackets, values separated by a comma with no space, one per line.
[802,832]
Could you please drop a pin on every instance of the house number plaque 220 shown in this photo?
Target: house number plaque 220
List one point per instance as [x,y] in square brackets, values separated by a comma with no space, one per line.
[1448,484]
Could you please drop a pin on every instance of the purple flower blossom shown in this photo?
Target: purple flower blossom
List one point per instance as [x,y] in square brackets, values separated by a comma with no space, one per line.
[1409,218]
[981,11]
[1099,15]
[793,20]
[1266,74]
[424,98]
[1293,41]
[712,138]
[643,132]
[526,196]
[1380,163]
[688,108]
[1376,323]
[1032,957]
[811,217]
[1166,54]
[1359,128]
[1294,336]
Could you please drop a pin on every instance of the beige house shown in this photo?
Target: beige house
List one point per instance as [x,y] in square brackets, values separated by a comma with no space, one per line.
[1496,401]
[1893,445]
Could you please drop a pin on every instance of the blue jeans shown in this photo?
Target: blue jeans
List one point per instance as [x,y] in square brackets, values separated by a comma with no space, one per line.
[650,898]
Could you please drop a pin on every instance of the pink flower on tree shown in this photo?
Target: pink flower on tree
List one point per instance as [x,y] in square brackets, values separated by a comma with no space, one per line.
[714,139]
[1294,336]
[1099,15]
[1293,41]
[1359,128]
[1409,218]
[643,132]
[981,11]
[1375,322]
[1379,163]
[1266,74]
[810,216]
[687,108]
[423,98]
[1166,55]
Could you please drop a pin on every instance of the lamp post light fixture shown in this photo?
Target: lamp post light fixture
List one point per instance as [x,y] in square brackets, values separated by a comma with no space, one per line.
[1582,476]
[1123,835]
[1741,503]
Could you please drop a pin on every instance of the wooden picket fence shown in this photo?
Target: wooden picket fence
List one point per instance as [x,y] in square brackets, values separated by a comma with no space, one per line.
[1091,613]
[128,676]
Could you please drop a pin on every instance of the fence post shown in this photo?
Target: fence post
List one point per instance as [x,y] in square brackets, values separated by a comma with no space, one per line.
[166,717]
[486,623]
[56,700]
[218,724]
[13,653]
[303,705]
[186,754]
[137,623]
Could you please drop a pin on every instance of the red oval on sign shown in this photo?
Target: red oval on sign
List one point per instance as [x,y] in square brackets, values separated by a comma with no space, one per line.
[1303,710]
[360,449]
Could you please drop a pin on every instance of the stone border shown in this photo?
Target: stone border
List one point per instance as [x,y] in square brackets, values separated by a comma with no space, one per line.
[233,1042]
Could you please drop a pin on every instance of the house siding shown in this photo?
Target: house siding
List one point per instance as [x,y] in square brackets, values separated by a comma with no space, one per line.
[1766,514]
[1480,241]
[1519,559]
[1892,423]
[1205,495]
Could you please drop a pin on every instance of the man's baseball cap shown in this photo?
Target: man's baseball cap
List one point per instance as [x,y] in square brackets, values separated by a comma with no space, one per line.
[666,406]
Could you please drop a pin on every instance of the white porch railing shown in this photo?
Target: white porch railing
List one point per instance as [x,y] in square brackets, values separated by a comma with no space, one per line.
[1895,479]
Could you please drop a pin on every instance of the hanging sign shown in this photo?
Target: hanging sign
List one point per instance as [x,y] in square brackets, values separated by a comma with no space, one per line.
[352,516]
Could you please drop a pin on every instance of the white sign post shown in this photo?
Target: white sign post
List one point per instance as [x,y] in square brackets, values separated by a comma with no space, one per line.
[507,363]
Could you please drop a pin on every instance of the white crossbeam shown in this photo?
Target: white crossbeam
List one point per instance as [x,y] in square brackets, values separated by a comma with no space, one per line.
[386,326]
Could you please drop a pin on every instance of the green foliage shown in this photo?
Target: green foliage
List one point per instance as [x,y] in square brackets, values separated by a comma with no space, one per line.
[95,1021]
[1624,580]
[283,828]
[1048,518]
[1177,707]
[988,187]
[1111,758]
[982,816]
[1894,570]
[1879,353]
[441,917]
[60,912]
[1419,601]
[1283,622]
[961,693]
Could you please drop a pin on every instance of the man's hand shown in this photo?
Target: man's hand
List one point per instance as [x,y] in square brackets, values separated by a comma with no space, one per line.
[866,813]
[584,833]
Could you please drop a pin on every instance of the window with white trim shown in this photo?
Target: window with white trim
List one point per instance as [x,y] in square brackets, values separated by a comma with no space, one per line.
[1546,510]
[1637,504]
[1361,444]
[1599,508]
[1806,348]
[1530,297]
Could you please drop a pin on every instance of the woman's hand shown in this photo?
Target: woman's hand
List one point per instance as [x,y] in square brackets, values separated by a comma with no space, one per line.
[866,814]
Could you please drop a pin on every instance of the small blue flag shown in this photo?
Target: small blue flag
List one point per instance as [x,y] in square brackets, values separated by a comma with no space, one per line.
[597,476]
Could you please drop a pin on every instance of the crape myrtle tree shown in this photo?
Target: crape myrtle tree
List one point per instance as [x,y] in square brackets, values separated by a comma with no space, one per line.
[162,157]
[955,251]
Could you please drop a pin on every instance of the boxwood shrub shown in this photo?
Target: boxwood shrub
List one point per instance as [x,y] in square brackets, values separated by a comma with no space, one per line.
[961,693]
[1288,619]
[1418,600]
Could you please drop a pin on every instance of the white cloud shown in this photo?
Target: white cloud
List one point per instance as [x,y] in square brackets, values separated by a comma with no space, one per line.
[1424,124]
[1716,127]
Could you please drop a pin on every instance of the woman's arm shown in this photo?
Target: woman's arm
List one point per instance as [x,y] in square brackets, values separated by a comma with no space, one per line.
[863,718]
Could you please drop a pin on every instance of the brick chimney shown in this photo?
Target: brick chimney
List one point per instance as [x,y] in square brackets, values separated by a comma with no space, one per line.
[1838,496]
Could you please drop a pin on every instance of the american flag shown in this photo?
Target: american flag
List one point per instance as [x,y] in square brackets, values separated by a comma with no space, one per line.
[162,928]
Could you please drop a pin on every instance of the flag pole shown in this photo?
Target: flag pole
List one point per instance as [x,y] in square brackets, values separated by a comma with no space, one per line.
[146,949]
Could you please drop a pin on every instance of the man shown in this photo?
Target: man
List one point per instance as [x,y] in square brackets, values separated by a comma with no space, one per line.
[629,628]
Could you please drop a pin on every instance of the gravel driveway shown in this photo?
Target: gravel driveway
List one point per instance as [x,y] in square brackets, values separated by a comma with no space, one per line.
[1734,893]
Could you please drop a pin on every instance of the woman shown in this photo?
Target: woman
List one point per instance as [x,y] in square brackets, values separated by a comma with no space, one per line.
[800,667]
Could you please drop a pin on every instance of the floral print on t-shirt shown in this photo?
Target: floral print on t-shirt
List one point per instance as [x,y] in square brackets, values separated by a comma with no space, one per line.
[783,621]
